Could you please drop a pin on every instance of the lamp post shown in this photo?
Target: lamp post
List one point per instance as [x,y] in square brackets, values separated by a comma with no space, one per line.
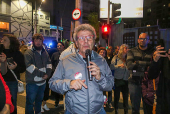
[35,21]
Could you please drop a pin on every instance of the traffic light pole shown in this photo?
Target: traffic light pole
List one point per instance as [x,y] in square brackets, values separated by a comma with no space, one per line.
[79,6]
[108,21]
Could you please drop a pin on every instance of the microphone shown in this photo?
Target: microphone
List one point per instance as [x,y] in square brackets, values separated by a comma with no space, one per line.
[88,58]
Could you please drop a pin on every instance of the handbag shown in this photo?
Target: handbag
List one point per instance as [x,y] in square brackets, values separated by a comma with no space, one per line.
[20,83]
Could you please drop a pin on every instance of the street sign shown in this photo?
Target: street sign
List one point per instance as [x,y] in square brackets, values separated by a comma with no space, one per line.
[53,27]
[76,14]
[60,28]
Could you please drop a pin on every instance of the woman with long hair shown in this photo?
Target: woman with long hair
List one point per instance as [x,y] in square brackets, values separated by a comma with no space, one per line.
[11,45]
[121,75]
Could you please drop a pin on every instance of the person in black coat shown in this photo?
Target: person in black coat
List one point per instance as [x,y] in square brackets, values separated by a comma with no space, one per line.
[11,45]
[161,65]
[55,61]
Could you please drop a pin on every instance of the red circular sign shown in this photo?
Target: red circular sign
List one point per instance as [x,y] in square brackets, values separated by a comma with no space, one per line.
[76,14]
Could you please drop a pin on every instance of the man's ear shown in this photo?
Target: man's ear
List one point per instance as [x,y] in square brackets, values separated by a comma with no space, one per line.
[76,44]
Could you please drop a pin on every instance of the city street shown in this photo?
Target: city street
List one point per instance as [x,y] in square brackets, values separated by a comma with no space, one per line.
[60,110]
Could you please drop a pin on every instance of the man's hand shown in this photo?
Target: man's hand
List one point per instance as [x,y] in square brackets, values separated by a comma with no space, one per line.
[121,65]
[95,70]
[77,84]
[158,53]
[12,66]
[2,57]
[45,77]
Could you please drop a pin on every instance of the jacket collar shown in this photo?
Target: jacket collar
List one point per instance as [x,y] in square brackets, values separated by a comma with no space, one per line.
[94,56]
[33,49]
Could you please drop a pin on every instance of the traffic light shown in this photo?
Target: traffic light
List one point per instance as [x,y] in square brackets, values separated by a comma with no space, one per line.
[105,31]
[115,7]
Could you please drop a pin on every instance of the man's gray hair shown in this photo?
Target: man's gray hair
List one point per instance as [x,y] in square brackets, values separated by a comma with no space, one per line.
[83,27]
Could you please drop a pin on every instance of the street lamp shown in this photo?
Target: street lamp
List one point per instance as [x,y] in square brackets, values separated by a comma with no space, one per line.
[35,28]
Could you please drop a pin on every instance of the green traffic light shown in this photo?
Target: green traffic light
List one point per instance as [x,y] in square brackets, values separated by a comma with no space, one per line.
[119,21]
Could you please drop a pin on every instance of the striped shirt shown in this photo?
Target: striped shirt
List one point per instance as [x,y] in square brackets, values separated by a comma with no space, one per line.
[138,61]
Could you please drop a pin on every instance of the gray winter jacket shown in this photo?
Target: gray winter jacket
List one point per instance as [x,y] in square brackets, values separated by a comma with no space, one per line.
[37,65]
[84,101]
[119,72]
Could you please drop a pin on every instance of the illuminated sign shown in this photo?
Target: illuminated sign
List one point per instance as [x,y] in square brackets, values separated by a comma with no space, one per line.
[129,8]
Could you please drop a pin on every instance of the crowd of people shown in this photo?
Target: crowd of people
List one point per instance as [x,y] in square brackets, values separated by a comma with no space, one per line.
[141,72]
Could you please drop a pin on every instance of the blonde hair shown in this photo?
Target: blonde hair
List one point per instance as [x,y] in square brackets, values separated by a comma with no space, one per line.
[120,53]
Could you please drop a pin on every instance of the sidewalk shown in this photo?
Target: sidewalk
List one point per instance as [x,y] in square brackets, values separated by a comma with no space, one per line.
[60,110]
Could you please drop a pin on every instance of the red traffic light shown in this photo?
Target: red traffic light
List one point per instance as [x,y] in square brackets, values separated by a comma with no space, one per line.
[105,31]
[105,28]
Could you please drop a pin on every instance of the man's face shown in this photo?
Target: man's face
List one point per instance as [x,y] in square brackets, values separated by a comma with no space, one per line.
[84,41]
[60,47]
[117,49]
[109,50]
[143,40]
[102,53]
[38,44]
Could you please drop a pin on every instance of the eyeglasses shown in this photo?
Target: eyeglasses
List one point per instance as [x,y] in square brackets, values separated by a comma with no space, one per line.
[144,39]
[82,38]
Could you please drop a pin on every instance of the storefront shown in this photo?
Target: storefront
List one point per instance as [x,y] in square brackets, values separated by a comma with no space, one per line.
[4,27]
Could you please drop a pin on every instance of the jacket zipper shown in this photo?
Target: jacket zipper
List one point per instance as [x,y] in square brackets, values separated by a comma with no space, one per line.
[88,104]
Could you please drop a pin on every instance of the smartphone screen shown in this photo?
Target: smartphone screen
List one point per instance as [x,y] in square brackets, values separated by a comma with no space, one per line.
[10,60]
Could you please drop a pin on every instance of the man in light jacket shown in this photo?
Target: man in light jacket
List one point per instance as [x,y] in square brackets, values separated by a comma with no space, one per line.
[71,76]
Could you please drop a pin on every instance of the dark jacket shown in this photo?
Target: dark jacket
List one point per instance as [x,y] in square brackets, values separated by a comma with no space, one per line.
[37,66]
[5,95]
[55,60]
[148,89]
[19,59]
[109,59]
[137,62]
[163,91]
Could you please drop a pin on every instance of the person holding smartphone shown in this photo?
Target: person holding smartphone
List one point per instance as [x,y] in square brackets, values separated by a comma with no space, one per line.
[161,65]
[16,63]
[6,105]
